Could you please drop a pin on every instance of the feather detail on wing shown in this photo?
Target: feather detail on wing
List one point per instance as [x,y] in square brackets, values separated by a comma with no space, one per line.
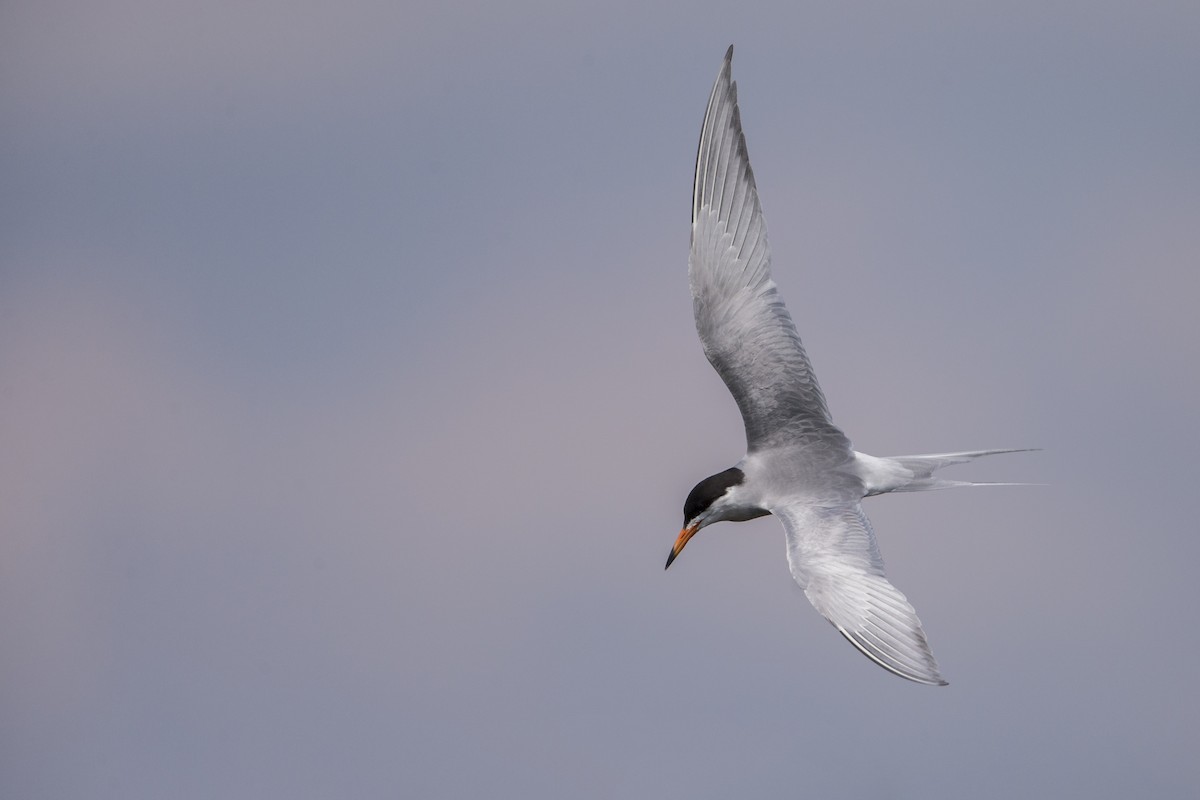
[833,556]
[746,330]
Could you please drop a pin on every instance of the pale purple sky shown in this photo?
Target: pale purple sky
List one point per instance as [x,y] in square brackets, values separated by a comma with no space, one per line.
[349,397]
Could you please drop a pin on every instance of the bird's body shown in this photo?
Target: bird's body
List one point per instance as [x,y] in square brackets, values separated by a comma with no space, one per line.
[798,466]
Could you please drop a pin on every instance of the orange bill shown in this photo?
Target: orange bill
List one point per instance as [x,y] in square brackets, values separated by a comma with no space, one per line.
[681,542]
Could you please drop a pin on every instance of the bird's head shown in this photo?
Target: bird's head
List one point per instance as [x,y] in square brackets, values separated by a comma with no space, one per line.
[714,499]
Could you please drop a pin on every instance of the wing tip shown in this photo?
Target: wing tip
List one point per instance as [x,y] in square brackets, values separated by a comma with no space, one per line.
[932,677]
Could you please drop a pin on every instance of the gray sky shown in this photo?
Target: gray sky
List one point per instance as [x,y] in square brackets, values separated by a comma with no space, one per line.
[349,397]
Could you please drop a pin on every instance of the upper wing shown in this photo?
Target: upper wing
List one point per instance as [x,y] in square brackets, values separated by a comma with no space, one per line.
[833,556]
[746,331]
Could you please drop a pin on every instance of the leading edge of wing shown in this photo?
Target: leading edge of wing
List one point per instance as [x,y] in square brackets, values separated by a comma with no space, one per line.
[747,332]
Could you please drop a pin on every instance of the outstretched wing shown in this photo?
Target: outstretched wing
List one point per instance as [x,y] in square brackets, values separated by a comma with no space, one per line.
[833,556]
[747,333]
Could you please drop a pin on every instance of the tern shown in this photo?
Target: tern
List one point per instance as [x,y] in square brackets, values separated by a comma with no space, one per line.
[798,466]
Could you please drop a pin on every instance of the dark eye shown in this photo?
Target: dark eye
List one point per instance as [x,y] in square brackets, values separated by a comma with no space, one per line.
[709,491]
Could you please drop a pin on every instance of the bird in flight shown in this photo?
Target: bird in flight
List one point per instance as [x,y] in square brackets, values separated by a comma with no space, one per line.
[798,465]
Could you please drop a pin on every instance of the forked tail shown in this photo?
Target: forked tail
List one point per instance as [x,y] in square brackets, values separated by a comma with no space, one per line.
[915,473]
